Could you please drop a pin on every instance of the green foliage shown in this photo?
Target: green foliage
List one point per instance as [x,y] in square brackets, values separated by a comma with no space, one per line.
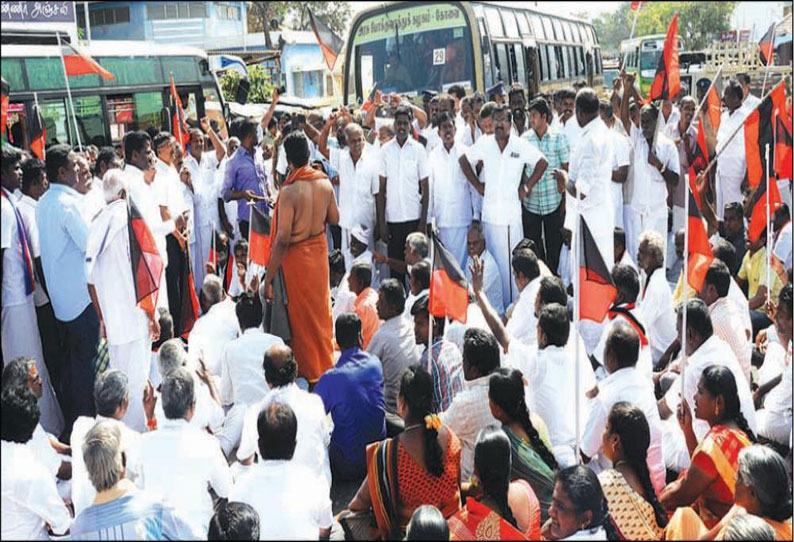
[699,23]
[296,14]
[261,85]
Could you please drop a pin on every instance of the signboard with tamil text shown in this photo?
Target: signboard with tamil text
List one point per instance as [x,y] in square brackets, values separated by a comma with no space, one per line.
[409,21]
[37,12]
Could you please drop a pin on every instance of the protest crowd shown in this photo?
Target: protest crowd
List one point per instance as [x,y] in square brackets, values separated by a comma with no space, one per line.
[492,315]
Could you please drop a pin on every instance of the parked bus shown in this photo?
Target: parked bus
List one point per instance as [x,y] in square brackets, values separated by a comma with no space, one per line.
[642,55]
[107,109]
[408,47]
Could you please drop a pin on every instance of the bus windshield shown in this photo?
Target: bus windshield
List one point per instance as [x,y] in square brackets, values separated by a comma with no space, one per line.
[412,49]
[649,60]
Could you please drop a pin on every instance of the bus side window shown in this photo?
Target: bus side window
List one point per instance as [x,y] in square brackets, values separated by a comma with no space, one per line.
[485,45]
[520,65]
[503,63]
[552,62]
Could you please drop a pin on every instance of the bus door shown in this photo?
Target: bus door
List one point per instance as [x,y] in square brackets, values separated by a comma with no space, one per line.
[530,62]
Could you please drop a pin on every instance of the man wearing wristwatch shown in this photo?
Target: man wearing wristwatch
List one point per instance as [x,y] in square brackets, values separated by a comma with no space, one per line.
[653,175]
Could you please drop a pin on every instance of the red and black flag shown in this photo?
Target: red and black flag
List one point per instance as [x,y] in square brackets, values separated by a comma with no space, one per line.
[597,292]
[449,289]
[189,310]
[178,118]
[78,62]
[759,133]
[38,133]
[783,154]
[330,44]
[259,238]
[700,254]
[5,90]
[706,142]
[667,81]
[766,46]
[370,101]
[147,265]
[635,6]
[759,215]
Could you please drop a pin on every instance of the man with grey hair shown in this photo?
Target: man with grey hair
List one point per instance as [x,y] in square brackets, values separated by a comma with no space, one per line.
[121,510]
[216,327]
[129,329]
[112,398]
[181,452]
[417,248]
[209,413]
[492,280]
[656,300]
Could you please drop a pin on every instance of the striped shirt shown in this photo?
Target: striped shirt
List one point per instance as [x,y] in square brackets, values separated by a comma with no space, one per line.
[545,198]
[446,368]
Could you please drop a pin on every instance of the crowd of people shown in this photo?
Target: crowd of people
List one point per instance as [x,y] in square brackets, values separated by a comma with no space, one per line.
[227,400]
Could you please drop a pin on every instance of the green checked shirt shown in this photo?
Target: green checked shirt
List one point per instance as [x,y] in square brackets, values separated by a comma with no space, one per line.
[545,198]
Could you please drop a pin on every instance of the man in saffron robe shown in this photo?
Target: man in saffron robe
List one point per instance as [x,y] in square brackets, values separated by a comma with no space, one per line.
[305,204]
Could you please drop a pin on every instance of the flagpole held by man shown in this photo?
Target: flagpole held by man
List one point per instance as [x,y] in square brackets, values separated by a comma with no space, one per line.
[305,205]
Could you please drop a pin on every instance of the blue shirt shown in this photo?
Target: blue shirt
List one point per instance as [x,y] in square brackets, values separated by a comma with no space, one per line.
[63,235]
[242,175]
[135,516]
[353,394]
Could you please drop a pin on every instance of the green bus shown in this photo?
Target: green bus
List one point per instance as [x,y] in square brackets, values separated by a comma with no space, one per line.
[408,47]
[641,57]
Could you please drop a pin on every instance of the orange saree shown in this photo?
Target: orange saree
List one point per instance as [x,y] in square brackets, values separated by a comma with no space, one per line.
[305,268]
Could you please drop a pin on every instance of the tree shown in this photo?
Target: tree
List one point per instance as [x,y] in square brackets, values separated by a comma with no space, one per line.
[296,15]
[261,86]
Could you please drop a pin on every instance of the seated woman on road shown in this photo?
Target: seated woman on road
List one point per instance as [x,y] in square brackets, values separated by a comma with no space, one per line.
[709,484]
[627,486]
[762,490]
[504,510]
[532,459]
[578,510]
[419,466]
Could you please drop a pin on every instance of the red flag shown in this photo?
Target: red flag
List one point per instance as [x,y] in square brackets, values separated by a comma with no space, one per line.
[758,222]
[79,63]
[38,133]
[178,120]
[667,81]
[189,311]
[370,101]
[449,289]
[712,107]
[597,291]
[766,46]
[330,44]
[5,89]
[758,133]
[259,238]
[147,265]
[783,154]
[700,255]
[637,5]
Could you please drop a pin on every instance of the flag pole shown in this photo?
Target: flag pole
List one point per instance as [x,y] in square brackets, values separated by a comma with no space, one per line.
[685,271]
[631,35]
[703,101]
[576,244]
[768,228]
[69,92]
[430,318]
[768,57]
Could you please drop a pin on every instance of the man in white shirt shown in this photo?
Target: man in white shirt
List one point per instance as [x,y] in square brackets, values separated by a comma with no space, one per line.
[622,255]
[242,384]
[732,162]
[449,190]
[403,197]
[654,171]
[590,174]
[470,411]
[621,159]
[292,501]
[504,186]
[523,325]
[624,383]
[782,248]
[750,101]
[216,328]
[128,328]
[656,301]
[180,460]
[20,336]
[492,281]
[314,435]
[703,348]
[725,317]
[112,398]
[30,504]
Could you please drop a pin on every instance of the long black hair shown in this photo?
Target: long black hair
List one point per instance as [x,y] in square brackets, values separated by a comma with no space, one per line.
[581,485]
[506,389]
[629,423]
[416,389]
[719,380]
[492,461]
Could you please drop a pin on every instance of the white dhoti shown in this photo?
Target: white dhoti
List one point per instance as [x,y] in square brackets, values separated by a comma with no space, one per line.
[200,252]
[232,429]
[346,247]
[636,222]
[729,190]
[455,241]
[500,242]
[20,338]
[134,358]
[774,425]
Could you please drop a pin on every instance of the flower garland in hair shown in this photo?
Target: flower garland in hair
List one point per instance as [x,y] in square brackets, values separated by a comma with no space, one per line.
[432,421]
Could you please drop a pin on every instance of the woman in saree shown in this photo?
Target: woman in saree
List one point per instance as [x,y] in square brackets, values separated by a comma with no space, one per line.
[419,466]
[633,505]
[762,490]
[503,510]
[532,459]
[709,484]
